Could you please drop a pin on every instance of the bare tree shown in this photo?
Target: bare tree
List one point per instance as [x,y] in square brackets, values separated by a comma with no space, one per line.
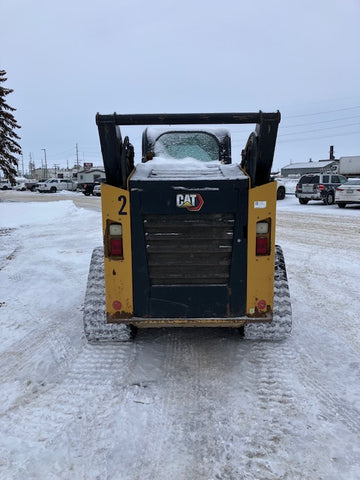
[8,136]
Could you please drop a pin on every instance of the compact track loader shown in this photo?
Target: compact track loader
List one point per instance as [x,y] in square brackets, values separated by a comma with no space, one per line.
[189,236]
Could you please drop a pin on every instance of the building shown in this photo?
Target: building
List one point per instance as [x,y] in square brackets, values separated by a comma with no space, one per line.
[298,169]
[44,173]
[90,176]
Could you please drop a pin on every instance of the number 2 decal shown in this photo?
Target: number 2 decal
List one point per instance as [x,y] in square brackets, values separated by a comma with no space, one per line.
[122,200]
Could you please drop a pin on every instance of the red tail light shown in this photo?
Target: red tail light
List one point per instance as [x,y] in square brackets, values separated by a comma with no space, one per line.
[262,246]
[116,247]
[321,187]
[339,189]
[263,230]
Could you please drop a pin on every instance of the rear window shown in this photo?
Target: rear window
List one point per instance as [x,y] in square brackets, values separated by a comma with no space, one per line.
[355,181]
[199,145]
[309,179]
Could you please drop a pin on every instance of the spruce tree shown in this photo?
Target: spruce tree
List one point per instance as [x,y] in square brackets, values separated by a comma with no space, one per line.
[8,136]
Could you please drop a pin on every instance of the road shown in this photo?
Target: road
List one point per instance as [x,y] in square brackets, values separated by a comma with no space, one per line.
[199,403]
[79,199]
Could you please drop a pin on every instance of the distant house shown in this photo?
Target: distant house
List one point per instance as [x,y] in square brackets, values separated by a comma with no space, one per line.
[298,169]
[90,176]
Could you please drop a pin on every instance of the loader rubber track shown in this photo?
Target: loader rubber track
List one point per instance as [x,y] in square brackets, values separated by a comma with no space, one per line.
[97,330]
[280,327]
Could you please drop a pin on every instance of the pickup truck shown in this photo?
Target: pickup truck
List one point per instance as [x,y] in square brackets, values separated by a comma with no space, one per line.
[55,184]
[5,185]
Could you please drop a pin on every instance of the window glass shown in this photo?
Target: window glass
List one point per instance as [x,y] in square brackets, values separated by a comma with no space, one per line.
[199,145]
[335,179]
[326,178]
[353,182]
[309,179]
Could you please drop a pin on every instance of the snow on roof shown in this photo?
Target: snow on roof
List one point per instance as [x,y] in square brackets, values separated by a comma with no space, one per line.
[319,164]
[154,132]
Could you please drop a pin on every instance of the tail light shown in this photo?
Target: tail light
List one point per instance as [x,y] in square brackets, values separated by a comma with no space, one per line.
[321,187]
[340,189]
[115,241]
[263,237]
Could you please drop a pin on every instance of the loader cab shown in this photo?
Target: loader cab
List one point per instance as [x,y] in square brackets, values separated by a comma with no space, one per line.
[178,144]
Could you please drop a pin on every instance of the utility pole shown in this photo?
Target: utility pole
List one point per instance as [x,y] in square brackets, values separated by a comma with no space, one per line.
[46,170]
[31,166]
[77,158]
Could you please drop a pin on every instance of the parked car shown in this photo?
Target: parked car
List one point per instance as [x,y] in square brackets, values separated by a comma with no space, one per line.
[5,185]
[54,184]
[318,186]
[88,188]
[20,187]
[348,192]
[31,185]
[97,190]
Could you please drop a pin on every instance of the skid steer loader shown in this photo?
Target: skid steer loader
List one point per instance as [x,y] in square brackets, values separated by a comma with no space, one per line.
[189,235]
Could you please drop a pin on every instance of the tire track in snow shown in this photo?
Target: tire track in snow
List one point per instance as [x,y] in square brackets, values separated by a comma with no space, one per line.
[190,424]
[273,403]
[79,412]
[324,314]
[312,376]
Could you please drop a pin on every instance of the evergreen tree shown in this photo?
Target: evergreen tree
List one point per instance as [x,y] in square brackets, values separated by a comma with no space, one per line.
[8,144]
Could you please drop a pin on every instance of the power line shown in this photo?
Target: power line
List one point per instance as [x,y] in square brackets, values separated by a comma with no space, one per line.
[319,129]
[288,140]
[321,113]
[318,123]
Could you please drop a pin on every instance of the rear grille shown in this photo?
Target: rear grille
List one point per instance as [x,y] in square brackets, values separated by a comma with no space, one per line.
[189,249]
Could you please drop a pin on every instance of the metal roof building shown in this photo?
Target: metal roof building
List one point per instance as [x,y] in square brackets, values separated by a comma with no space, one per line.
[298,169]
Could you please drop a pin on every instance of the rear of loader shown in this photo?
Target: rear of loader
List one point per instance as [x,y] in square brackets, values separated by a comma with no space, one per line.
[189,236]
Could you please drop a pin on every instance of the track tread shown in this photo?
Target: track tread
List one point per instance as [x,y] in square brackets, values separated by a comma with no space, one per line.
[280,327]
[97,330]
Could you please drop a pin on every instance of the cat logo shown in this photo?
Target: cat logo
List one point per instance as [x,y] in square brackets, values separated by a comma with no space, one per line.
[191,201]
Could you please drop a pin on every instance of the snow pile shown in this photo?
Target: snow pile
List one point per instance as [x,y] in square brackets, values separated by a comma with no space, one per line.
[13,215]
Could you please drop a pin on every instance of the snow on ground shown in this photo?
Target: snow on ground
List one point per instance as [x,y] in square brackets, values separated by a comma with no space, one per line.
[185,404]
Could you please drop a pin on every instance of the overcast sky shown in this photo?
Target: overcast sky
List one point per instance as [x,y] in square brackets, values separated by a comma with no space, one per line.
[68,60]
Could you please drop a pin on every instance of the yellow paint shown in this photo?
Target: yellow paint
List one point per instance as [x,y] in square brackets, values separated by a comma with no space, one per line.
[115,204]
[260,273]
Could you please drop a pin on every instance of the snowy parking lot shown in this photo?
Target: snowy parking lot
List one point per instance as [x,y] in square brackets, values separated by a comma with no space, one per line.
[184,404]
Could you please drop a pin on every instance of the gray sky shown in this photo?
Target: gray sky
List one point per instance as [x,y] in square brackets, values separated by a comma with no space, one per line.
[68,60]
